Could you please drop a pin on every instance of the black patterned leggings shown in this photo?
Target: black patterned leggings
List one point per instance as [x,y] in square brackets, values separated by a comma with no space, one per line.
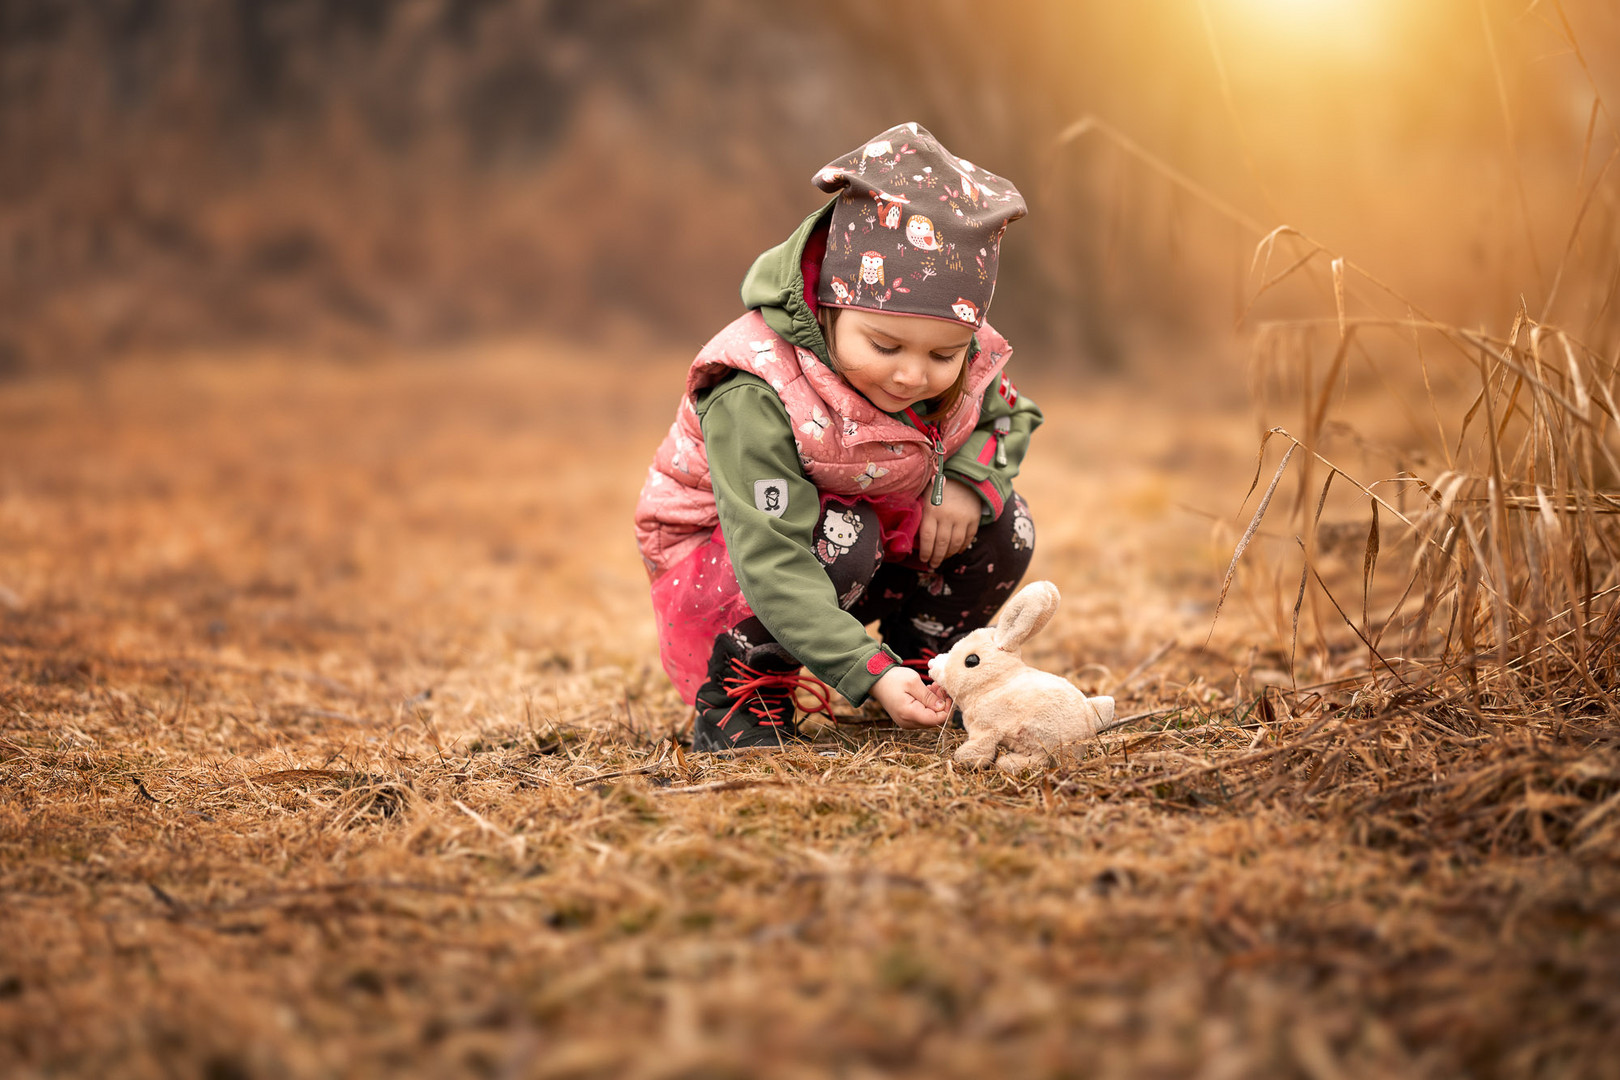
[919,611]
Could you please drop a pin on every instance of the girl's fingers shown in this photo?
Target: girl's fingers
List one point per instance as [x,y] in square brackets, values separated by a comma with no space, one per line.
[939,538]
[925,538]
[920,707]
[916,716]
[930,707]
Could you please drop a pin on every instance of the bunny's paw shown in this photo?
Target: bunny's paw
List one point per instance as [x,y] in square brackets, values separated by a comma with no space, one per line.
[977,753]
[1020,763]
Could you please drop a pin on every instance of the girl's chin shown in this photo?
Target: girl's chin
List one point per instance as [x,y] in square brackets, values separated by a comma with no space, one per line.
[889,403]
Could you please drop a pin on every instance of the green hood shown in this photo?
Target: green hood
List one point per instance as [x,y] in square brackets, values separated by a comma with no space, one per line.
[775,285]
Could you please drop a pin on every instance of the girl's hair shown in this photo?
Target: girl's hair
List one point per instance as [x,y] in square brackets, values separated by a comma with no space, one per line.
[944,405]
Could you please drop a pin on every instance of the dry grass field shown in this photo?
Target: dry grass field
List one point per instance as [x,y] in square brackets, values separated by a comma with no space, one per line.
[333,742]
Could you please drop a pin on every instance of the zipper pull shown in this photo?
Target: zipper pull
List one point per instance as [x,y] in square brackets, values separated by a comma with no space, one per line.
[1001,429]
[938,438]
[939,465]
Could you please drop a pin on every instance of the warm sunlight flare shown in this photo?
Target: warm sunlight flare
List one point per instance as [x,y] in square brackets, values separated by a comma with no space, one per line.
[1314,23]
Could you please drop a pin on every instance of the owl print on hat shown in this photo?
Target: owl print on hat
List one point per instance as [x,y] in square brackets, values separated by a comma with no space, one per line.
[914,228]
[871,267]
[872,283]
[877,148]
[920,233]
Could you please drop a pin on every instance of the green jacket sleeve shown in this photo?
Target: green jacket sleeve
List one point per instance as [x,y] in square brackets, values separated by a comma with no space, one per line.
[749,440]
[990,458]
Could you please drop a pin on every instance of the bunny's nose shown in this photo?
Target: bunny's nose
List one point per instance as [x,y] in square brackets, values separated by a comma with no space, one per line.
[936,665]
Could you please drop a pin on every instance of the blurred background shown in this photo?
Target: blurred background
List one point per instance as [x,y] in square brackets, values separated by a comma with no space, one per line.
[336,175]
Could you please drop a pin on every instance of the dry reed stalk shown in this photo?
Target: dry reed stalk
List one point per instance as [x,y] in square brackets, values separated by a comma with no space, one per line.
[1487,724]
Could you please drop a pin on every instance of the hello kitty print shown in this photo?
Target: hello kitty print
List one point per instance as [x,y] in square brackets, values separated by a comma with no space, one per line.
[840,530]
[917,230]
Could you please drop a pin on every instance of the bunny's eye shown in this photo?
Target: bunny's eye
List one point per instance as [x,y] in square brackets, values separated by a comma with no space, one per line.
[970,660]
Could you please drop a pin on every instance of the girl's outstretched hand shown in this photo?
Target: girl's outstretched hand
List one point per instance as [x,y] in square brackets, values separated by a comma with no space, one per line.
[950,526]
[910,702]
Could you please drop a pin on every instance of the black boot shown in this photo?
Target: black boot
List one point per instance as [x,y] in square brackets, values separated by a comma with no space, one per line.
[745,705]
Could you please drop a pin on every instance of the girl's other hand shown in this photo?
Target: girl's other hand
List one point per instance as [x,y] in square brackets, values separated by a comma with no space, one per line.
[949,527]
[910,702]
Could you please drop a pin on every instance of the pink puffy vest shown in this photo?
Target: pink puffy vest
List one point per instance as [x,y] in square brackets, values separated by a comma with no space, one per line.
[847,446]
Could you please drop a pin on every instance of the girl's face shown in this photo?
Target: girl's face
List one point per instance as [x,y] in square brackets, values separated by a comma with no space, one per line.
[898,360]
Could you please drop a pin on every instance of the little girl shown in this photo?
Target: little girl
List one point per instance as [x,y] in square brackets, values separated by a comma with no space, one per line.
[844,454]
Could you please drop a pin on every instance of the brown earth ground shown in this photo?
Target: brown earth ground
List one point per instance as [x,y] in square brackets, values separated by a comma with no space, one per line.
[333,742]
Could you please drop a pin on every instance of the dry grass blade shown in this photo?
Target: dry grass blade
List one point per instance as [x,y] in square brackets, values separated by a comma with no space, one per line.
[1318,414]
[1507,362]
[1582,401]
[1293,625]
[1344,616]
[1268,284]
[1261,258]
[1369,564]
[1232,114]
[1575,226]
[1248,533]
[1512,144]
[1093,123]
[1338,295]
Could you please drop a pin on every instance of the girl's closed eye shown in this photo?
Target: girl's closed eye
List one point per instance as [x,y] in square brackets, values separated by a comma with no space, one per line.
[890,350]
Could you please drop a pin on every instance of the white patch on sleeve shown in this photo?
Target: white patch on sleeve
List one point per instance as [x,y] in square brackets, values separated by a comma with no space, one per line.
[771,497]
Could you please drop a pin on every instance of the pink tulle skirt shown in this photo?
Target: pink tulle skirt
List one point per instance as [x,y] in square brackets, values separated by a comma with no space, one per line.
[698,598]
[695,601]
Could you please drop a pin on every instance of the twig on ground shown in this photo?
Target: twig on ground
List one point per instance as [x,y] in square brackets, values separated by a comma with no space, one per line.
[720,785]
[663,748]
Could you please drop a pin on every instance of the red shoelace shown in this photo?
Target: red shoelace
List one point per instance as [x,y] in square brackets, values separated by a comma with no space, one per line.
[749,680]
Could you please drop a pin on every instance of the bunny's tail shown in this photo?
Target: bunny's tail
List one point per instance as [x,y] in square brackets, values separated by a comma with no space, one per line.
[1105,710]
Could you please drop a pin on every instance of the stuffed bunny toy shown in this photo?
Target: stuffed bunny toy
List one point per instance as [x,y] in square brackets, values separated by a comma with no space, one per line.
[1008,706]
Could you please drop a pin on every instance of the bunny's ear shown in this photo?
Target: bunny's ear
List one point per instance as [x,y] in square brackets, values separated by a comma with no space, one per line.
[1028,611]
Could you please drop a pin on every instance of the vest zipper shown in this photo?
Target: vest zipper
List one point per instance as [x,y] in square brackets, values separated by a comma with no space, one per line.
[999,431]
[938,439]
